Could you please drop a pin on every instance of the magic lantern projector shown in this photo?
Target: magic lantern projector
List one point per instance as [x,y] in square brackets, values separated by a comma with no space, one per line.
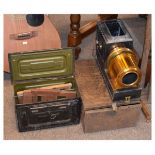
[117,60]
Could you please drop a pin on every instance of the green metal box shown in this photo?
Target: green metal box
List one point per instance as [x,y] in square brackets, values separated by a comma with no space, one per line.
[40,69]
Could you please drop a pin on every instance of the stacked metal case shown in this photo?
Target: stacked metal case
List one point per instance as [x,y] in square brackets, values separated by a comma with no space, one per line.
[37,69]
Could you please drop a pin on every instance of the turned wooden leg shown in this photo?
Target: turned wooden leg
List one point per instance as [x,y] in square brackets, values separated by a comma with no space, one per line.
[74,37]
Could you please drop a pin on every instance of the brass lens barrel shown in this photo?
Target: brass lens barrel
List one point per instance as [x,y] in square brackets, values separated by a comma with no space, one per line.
[122,68]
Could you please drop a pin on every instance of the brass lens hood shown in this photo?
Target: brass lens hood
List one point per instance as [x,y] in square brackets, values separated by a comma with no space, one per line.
[122,68]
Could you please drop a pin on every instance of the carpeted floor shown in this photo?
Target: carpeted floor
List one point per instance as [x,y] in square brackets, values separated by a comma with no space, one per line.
[141,131]
[136,27]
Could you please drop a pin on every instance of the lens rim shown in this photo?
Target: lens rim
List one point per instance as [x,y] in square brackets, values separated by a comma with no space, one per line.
[126,78]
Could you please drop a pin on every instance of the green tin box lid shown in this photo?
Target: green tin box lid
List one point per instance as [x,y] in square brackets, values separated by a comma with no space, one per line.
[41,64]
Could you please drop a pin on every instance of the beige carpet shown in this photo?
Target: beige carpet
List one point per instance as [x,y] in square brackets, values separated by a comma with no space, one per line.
[141,131]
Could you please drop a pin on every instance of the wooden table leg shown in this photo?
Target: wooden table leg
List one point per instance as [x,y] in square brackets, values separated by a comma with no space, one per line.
[146,50]
[107,16]
[74,37]
[77,34]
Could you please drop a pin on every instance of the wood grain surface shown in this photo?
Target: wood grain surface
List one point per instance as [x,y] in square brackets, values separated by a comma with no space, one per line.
[46,36]
[91,86]
[106,119]
[98,113]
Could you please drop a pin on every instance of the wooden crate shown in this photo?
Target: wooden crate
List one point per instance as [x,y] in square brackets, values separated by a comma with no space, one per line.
[99,112]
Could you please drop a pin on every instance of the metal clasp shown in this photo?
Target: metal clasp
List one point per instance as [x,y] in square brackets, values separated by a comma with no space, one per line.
[127,99]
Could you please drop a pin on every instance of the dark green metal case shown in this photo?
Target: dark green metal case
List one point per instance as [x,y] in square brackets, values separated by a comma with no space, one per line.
[39,69]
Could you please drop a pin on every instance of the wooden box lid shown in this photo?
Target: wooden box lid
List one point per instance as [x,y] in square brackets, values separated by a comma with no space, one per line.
[91,85]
